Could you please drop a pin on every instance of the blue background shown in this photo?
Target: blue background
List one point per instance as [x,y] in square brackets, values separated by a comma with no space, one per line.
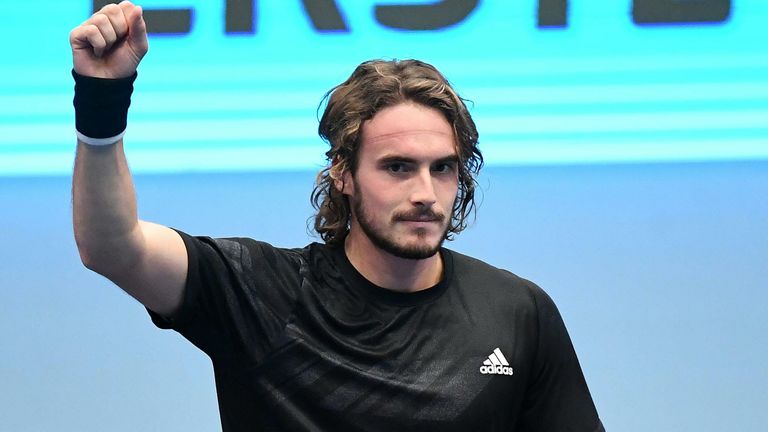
[627,175]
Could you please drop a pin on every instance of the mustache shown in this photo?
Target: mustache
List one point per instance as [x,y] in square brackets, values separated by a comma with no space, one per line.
[425,215]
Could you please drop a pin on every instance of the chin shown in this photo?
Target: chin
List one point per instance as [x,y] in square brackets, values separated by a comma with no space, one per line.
[415,250]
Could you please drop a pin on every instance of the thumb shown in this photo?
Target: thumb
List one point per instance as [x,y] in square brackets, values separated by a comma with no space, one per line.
[137,33]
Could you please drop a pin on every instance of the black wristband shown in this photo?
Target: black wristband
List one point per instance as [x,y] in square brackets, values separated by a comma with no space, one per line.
[101,105]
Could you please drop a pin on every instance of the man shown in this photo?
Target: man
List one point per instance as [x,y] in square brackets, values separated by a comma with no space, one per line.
[378,329]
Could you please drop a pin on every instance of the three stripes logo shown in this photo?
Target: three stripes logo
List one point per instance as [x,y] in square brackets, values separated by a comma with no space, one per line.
[496,364]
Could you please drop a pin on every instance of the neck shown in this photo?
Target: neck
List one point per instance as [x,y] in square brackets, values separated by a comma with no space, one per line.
[388,271]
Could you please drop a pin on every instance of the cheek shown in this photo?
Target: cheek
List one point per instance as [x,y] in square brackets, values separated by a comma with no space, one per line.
[449,191]
[376,190]
[381,200]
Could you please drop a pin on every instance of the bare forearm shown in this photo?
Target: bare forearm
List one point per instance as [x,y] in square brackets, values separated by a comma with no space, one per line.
[104,209]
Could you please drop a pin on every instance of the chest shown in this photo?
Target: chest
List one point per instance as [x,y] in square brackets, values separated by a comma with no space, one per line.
[442,363]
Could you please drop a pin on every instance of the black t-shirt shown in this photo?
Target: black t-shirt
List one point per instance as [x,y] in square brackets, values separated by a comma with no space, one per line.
[300,341]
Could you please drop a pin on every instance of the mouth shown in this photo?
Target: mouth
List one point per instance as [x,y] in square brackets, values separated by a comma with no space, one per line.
[420,224]
[421,219]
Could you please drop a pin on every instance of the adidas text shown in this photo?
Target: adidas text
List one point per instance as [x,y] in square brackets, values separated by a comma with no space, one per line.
[496,370]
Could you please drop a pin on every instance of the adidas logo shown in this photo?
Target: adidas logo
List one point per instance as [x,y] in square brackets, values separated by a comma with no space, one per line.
[496,364]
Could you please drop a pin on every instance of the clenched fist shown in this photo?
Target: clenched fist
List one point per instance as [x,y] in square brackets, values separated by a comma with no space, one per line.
[111,43]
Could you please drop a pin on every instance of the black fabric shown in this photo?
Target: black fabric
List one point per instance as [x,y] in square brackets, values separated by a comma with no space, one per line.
[101,104]
[300,341]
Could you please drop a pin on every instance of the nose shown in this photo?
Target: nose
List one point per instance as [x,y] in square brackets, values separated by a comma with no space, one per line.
[423,189]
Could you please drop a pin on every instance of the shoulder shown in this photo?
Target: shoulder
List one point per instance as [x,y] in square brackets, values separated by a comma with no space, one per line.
[243,253]
[497,283]
[469,269]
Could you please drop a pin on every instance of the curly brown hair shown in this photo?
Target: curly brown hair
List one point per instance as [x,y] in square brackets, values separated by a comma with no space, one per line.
[373,86]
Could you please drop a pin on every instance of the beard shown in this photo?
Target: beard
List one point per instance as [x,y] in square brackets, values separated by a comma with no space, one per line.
[387,243]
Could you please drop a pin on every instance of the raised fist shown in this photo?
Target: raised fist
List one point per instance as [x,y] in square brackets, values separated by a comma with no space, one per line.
[111,43]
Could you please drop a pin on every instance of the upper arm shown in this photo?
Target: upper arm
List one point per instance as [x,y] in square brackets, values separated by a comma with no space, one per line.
[238,296]
[157,276]
[557,397]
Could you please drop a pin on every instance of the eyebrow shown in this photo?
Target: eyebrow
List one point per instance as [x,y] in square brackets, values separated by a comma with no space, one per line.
[404,159]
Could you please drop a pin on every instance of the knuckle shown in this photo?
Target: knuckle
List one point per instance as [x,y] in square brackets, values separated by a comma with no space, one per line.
[125,6]
[100,19]
[112,12]
[75,33]
[110,8]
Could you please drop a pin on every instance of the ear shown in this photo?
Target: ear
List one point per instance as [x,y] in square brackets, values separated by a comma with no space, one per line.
[346,184]
[342,180]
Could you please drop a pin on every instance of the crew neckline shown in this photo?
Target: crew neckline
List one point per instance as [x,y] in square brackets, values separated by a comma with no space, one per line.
[386,295]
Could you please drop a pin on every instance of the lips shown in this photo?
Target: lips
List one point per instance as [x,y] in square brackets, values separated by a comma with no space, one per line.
[424,217]
[421,220]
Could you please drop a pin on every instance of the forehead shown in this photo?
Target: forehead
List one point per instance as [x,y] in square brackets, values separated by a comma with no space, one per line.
[409,127]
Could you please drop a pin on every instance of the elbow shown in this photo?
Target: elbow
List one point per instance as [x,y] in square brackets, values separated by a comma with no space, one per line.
[104,259]
[109,254]
[90,258]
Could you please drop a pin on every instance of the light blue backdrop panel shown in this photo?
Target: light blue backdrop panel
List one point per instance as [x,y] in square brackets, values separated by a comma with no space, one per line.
[658,270]
[601,88]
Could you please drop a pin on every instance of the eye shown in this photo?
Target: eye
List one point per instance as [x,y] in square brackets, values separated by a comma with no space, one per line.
[444,167]
[396,167]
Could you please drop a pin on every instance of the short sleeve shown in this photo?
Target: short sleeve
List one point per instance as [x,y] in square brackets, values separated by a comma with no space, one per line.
[557,398]
[237,298]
